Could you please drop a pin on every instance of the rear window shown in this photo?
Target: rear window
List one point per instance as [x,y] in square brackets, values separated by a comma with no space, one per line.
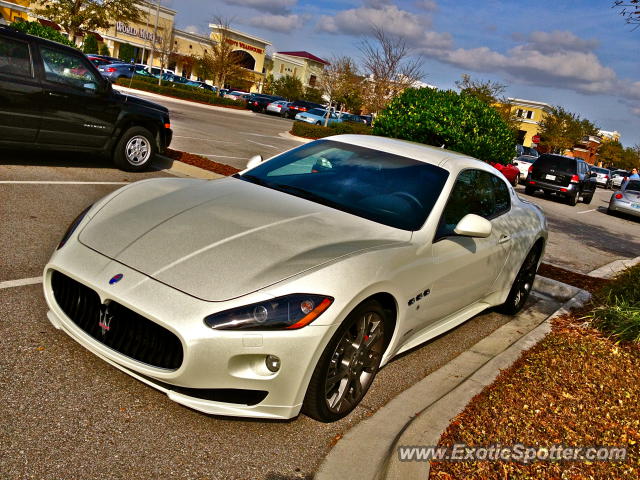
[555,162]
[14,57]
[599,170]
[633,185]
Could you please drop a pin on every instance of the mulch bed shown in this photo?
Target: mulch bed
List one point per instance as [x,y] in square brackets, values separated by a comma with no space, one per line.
[576,388]
[231,107]
[201,162]
[585,282]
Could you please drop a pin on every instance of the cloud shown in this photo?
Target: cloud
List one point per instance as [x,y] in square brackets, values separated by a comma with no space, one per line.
[427,5]
[192,29]
[360,21]
[277,23]
[271,6]
[560,41]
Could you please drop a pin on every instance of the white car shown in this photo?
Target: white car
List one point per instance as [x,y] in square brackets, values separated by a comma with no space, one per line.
[236,95]
[617,177]
[281,107]
[524,162]
[287,287]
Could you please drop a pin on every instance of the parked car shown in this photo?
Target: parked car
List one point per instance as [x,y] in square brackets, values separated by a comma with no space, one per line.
[76,108]
[258,102]
[157,71]
[565,176]
[223,91]
[510,172]
[368,119]
[170,77]
[317,116]
[528,151]
[99,60]
[203,86]
[523,162]
[351,118]
[237,95]
[402,242]
[115,71]
[618,176]
[626,199]
[603,176]
[281,107]
[301,106]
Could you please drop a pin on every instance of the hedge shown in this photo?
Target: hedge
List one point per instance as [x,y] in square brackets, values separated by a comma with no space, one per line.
[309,130]
[179,91]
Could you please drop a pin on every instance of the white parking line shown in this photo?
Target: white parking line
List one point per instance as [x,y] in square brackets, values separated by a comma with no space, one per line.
[21,282]
[34,182]
[217,156]
[587,211]
[264,144]
[203,139]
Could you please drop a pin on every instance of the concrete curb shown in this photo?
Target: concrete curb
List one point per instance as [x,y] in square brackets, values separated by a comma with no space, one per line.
[354,455]
[133,91]
[613,268]
[180,169]
[288,136]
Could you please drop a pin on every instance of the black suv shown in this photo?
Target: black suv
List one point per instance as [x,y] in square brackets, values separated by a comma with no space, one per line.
[566,176]
[258,102]
[53,98]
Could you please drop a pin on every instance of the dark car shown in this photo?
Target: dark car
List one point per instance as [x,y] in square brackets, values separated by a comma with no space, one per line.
[258,101]
[568,177]
[99,60]
[53,98]
[115,71]
[301,106]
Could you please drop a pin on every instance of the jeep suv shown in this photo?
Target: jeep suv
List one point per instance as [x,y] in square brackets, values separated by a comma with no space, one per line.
[565,176]
[53,98]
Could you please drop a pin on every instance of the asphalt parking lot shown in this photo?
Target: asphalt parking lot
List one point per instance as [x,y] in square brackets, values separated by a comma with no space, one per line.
[68,415]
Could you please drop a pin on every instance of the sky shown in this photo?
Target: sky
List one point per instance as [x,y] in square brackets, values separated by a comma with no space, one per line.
[578,54]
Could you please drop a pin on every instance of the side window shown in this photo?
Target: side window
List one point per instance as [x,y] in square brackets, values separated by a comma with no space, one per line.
[477,192]
[503,198]
[15,58]
[68,69]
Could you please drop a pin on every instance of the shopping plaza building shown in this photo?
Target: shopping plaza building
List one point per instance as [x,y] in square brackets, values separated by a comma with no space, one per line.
[156,33]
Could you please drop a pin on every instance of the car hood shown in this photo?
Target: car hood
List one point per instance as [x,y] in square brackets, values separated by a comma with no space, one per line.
[221,239]
[144,103]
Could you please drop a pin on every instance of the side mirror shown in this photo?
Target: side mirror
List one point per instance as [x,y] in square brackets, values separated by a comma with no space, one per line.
[254,161]
[515,164]
[473,225]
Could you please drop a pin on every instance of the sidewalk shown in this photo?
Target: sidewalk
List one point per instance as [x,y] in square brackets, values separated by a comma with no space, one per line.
[420,414]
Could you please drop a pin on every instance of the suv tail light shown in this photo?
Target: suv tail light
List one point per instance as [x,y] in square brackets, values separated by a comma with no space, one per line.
[575,179]
[618,196]
[110,69]
[530,168]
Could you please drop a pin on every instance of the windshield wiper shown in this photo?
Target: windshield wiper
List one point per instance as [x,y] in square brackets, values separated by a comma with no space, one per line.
[254,179]
[302,193]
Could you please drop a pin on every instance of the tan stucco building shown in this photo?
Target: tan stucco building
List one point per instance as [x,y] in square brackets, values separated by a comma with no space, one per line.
[303,65]
[13,10]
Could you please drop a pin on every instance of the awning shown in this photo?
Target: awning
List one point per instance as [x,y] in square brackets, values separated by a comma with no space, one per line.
[49,23]
[97,36]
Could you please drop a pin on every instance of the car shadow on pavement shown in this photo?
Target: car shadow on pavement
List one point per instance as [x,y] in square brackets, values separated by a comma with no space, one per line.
[45,158]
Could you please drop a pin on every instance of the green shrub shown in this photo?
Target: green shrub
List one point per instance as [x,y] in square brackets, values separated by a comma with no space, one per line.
[35,28]
[617,306]
[459,122]
[179,91]
[309,130]
[90,44]
[104,50]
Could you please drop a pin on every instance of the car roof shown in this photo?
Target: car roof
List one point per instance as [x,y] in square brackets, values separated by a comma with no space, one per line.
[447,159]
[6,30]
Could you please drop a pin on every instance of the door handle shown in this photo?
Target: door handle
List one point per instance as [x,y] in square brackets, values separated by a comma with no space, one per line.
[504,239]
[57,95]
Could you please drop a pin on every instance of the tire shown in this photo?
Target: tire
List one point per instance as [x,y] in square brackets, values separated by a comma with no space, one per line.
[318,123]
[529,190]
[335,389]
[572,200]
[135,150]
[522,284]
[587,199]
[515,181]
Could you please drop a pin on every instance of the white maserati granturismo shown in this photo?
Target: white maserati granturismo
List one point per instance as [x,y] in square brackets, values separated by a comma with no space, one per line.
[285,288]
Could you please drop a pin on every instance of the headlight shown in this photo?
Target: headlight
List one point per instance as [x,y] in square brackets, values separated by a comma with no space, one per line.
[284,313]
[72,227]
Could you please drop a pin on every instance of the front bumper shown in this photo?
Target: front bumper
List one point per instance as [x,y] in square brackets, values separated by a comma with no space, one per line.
[213,360]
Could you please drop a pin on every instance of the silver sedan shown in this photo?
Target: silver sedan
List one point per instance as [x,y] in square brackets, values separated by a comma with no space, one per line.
[627,199]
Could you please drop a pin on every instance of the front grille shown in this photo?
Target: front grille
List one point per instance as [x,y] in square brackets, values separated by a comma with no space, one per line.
[128,333]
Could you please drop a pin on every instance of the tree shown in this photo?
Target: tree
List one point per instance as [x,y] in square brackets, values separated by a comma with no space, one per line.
[38,30]
[314,95]
[288,87]
[561,130]
[389,67]
[630,10]
[225,60]
[611,153]
[85,15]
[163,48]
[126,52]
[104,50]
[341,84]
[90,44]
[491,93]
[445,118]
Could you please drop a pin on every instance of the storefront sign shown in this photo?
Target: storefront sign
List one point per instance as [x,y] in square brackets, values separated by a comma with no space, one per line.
[134,32]
[245,46]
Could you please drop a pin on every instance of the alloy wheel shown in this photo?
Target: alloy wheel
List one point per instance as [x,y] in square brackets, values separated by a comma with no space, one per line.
[138,150]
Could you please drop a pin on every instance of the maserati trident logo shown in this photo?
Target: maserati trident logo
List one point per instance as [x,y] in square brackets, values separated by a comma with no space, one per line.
[104,320]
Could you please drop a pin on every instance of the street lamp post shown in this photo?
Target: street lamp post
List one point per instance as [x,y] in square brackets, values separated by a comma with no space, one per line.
[155,33]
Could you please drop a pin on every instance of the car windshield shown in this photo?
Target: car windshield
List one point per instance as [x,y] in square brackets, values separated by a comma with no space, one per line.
[390,189]
[317,111]
[557,162]
[633,186]
[529,151]
[600,170]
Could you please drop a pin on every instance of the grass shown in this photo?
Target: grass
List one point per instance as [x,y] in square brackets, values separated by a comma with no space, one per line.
[579,386]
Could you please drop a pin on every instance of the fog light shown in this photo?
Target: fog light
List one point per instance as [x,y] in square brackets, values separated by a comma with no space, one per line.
[273,363]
